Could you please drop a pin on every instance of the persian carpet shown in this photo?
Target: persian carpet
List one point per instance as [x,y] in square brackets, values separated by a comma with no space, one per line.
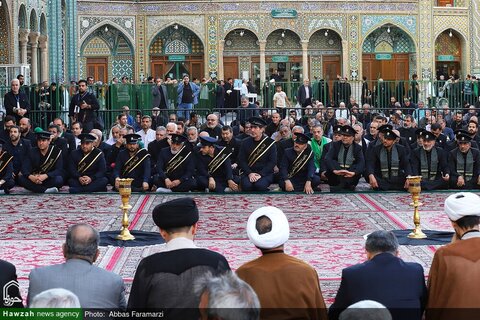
[327,230]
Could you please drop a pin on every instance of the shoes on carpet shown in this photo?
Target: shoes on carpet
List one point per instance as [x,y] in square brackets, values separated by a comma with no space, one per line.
[162,190]
[2,192]
[52,190]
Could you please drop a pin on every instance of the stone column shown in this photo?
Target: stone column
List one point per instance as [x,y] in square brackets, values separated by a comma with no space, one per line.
[221,46]
[262,44]
[23,40]
[43,45]
[33,36]
[305,69]
[345,71]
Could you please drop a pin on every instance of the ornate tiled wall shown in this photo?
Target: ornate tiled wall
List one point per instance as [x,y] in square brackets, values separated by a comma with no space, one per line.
[371,22]
[4,37]
[122,66]
[212,45]
[354,51]
[426,41]
[316,68]
[240,45]
[474,13]
[211,21]
[88,24]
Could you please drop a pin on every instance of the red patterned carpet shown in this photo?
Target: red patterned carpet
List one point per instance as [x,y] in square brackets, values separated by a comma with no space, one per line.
[326,229]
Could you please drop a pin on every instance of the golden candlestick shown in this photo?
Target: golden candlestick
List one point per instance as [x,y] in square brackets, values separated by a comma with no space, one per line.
[125,190]
[415,188]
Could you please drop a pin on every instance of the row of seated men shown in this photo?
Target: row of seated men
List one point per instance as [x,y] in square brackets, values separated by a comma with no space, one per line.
[175,280]
[253,163]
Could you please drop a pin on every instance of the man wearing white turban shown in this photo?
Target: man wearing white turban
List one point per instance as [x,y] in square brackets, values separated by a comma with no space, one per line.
[455,273]
[287,287]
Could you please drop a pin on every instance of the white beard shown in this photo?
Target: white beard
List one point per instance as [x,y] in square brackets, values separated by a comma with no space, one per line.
[174,152]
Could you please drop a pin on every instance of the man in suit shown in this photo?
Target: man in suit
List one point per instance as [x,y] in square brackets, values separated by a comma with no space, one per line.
[16,102]
[304,94]
[384,278]
[11,297]
[94,286]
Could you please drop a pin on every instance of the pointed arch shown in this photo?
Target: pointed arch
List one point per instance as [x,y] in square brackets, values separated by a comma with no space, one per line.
[104,23]
[33,21]
[22,17]
[5,52]
[43,25]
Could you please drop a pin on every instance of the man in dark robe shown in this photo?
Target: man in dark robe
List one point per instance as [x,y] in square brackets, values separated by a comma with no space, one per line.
[42,170]
[165,280]
[257,158]
[133,162]
[175,166]
[214,168]
[430,162]
[464,164]
[87,167]
[297,168]
[388,164]
[345,162]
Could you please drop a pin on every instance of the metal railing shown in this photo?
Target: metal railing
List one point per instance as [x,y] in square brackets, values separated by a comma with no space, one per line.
[455,94]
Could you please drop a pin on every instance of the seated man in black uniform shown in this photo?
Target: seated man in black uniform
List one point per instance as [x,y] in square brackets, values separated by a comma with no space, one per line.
[133,162]
[42,170]
[6,170]
[464,164]
[175,167]
[214,168]
[430,162]
[87,167]
[345,162]
[297,167]
[257,158]
[388,164]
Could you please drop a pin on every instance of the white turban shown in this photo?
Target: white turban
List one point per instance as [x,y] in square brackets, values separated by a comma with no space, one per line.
[280,228]
[462,204]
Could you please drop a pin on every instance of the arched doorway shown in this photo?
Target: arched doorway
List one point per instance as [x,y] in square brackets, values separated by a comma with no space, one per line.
[107,53]
[176,51]
[240,55]
[388,53]
[448,54]
[283,53]
[325,52]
